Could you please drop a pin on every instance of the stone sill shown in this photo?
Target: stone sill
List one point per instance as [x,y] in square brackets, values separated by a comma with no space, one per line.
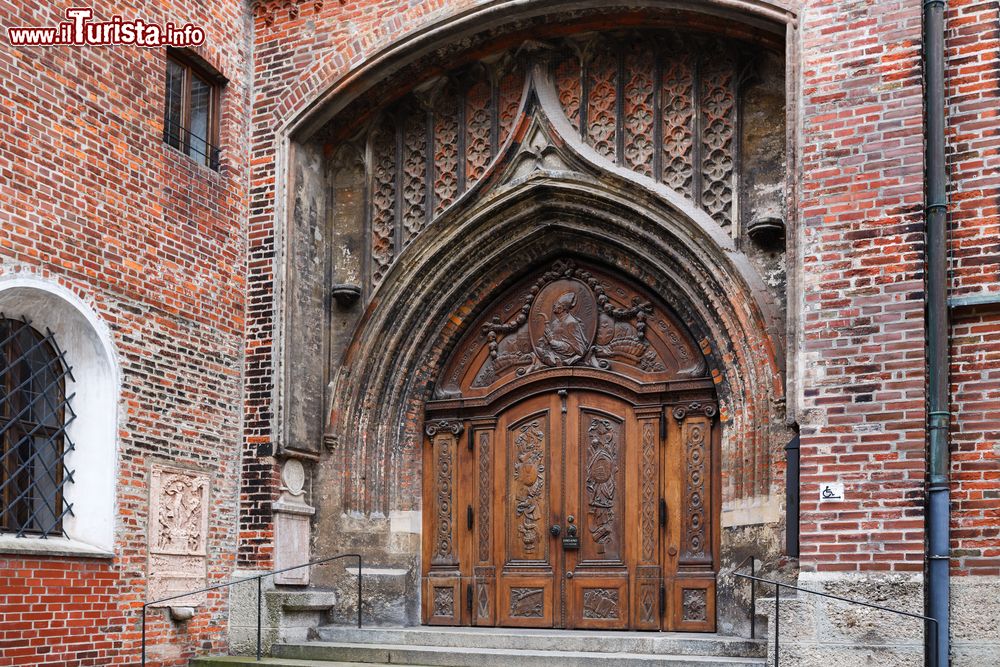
[53,546]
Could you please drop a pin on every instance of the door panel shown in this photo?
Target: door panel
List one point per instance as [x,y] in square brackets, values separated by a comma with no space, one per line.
[530,489]
[597,466]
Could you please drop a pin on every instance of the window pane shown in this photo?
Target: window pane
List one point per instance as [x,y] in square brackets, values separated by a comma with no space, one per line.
[43,497]
[172,129]
[31,456]
[45,386]
[201,100]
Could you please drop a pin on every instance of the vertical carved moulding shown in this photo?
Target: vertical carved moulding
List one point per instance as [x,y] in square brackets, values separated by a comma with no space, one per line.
[383,201]
[292,517]
[569,86]
[648,574]
[649,493]
[718,127]
[638,109]
[695,528]
[443,586]
[602,100]
[485,542]
[478,122]
[178,534]
[677,112]
[414,164]
[444,440]
[446,156]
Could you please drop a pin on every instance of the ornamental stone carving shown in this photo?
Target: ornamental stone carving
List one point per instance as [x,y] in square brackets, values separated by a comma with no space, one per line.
[178,529]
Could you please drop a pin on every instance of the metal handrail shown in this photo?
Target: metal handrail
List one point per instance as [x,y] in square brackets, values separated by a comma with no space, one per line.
[258,579]
[778,585]
[753,593]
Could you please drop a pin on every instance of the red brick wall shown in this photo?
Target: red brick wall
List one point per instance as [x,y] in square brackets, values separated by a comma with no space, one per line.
[973,153]
[975,435]
[861,239]
[973,150]
[91,197]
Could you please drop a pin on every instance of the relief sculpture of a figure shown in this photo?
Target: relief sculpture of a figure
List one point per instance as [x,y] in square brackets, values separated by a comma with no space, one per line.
[564,341]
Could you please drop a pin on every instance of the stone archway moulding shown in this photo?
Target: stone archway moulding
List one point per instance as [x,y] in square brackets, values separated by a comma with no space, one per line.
[324,99]
[545,192]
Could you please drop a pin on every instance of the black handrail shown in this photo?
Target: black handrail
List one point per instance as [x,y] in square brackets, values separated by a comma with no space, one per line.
[258,579]
[753,593]
[777,608]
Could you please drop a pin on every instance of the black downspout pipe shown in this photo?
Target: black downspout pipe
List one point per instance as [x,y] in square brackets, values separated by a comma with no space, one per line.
[938,416]
[792,498]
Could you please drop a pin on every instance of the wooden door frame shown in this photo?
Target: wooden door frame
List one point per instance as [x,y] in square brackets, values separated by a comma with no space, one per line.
[458,584]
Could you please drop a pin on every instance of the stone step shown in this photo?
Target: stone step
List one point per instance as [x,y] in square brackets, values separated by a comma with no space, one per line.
[588,641]
[464,656]
[238,661]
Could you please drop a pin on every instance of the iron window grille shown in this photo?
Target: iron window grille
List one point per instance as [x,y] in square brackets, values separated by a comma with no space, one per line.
[191,108]
[34,415]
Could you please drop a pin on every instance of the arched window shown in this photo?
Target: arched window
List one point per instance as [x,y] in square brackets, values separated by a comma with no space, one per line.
[34,414]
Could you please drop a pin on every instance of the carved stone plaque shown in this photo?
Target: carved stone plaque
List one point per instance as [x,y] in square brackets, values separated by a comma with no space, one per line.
[178,526]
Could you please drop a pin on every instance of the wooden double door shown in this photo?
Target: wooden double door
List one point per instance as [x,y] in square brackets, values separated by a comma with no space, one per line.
[572,508]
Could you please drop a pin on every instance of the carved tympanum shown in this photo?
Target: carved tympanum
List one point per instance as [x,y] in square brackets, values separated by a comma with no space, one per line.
[571,316]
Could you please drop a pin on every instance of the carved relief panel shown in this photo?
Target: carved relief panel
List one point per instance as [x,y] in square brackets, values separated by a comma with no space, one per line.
[572,315]
[178,531]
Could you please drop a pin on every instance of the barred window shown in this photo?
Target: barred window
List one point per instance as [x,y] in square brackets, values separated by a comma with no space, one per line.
[34,414]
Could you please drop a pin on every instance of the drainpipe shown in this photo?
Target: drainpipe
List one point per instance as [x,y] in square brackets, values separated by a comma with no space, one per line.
[938,416]
[792,498]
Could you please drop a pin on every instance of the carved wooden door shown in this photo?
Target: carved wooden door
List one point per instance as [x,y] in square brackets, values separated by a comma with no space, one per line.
[569,477]
[575,486]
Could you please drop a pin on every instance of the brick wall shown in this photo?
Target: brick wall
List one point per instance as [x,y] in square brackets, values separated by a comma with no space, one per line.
[975,435]
[973,153]
[92,198]
[862,244]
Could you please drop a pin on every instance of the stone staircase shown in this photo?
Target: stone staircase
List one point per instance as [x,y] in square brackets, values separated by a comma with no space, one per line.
[504,647]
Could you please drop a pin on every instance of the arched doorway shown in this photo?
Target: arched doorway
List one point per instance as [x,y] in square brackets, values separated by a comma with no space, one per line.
[570,463]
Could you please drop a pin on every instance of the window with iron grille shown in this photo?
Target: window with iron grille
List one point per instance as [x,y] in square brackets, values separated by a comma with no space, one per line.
[34,414]
[191,109]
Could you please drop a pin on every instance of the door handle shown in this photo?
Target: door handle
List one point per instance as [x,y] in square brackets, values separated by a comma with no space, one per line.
[555,530]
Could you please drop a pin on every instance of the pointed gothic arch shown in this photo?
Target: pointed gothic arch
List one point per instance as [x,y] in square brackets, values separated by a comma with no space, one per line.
[449,246]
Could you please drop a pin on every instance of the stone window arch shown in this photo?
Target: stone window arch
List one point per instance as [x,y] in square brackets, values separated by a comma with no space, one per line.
[82,343]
